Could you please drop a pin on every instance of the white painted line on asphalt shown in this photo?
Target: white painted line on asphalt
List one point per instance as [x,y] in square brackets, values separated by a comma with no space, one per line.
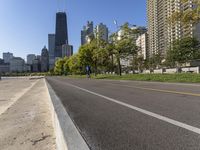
[157,116]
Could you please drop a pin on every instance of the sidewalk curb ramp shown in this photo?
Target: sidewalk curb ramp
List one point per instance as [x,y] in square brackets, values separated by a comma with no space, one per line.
[67,135]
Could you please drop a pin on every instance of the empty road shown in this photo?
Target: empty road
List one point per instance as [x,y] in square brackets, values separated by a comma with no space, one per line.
[132,115]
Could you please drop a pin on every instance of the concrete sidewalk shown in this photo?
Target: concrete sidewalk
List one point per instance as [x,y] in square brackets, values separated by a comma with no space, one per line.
[25,122]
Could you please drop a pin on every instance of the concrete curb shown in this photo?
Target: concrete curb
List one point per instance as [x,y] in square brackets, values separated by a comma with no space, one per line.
[67,135]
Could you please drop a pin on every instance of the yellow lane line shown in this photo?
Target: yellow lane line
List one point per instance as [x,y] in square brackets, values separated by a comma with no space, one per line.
[164,91]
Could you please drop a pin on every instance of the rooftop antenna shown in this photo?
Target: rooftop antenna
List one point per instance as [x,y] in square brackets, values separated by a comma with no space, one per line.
[65,6]
[61,5]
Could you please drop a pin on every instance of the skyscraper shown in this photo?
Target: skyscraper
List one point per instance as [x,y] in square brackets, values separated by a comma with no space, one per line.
[87,33]
[44,60]
[61,36]
[161,32]
[51,47]
[101,32]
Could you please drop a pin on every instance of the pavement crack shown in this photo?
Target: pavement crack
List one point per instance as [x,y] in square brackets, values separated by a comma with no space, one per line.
[34,142]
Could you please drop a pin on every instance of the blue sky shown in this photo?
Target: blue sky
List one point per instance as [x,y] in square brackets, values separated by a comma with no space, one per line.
[25,24]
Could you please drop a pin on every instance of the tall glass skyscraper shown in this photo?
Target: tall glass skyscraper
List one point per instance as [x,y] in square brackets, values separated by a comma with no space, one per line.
[61,36]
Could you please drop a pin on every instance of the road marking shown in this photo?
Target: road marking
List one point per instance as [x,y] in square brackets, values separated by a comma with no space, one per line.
[157,116]
[159,90]
[155,82]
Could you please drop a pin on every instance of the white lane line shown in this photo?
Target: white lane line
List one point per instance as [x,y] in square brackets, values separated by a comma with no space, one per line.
[157,116]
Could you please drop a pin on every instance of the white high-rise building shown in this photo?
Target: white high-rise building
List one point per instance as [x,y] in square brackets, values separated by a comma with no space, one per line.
[161,32]
[7,57]
[142,44]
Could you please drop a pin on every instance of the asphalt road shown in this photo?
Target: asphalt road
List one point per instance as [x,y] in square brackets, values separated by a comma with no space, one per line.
[125,115]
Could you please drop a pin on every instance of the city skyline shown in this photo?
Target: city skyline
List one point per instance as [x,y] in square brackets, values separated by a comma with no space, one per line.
[36,30]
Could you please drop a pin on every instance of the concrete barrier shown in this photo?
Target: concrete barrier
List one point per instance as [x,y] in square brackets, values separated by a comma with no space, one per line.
[190,69]
[158,71]
[171,71]
[146,71]
[67,135]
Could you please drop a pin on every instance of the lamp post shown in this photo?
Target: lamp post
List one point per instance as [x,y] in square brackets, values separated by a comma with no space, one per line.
[118,57]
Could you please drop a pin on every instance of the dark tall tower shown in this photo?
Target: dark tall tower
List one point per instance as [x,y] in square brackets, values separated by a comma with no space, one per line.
[61,36]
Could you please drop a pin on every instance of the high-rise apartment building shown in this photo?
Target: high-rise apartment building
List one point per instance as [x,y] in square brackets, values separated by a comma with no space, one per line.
[161,32]
[101,32]
[61,36]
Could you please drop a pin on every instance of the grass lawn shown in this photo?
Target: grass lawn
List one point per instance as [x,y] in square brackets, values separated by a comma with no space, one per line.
[184,77]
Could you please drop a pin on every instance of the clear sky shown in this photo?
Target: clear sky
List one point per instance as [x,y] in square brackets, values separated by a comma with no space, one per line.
[25,24]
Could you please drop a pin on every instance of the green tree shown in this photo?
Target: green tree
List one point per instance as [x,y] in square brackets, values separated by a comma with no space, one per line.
[59,67]
[183,50]
[138,63]
[85,55]
[125,45]
[189,16]
[73,64]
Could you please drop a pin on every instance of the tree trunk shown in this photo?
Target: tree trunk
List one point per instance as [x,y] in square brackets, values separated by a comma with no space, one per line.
[95,68]
[112,63]
[119,67]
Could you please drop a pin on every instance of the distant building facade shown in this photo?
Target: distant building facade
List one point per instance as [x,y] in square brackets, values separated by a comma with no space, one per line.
[142,44]
[87,33]
[36,65]
[30,58]
[4,68]
[17,64]
[101,32]
[1,61]
[51,47]
[7,57]
[140,30]
[67,50]
[44,60]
